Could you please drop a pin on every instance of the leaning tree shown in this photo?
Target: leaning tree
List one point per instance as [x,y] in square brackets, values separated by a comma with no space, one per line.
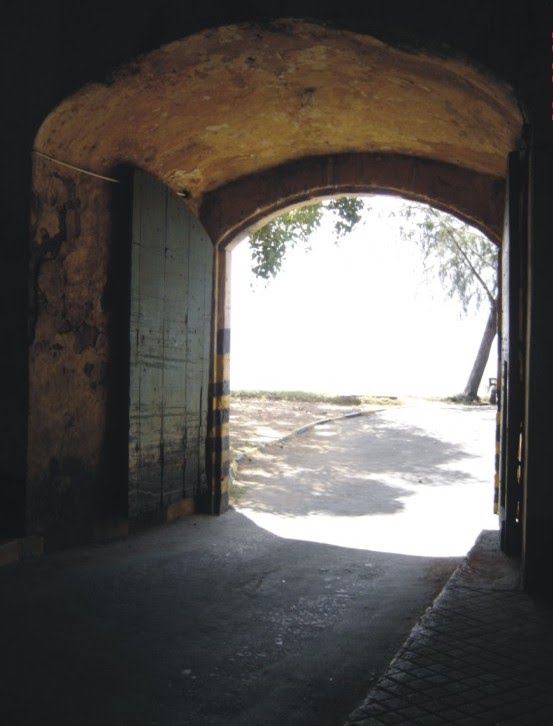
[466,262]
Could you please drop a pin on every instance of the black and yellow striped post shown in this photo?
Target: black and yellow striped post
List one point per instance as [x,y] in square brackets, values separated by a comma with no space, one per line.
[218,444]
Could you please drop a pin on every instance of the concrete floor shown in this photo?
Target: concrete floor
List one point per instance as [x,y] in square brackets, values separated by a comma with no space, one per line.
[207,621]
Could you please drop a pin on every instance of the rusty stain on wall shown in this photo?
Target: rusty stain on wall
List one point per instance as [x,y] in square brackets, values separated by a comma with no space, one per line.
[69,349]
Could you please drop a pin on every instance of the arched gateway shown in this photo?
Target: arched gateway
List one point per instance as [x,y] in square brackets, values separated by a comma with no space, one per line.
[182,151]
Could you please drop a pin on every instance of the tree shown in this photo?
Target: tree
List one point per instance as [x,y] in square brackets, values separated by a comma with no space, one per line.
[269,244]
[465,261]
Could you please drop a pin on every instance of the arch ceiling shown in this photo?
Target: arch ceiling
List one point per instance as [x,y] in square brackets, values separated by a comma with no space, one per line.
[234,101]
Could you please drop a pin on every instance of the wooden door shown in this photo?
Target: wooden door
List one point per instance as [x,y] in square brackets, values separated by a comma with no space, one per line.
[513,306]
[171,282]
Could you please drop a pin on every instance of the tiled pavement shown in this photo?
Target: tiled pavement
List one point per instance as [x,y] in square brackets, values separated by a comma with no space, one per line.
[481,655]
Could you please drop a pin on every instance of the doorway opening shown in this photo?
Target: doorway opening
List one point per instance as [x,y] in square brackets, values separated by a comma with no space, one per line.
[357,345]
[299,121]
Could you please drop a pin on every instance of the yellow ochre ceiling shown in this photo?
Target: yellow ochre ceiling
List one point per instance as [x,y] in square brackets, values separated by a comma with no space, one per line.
[228,102]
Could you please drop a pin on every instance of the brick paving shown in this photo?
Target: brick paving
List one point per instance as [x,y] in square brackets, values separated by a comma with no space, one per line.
[481,655]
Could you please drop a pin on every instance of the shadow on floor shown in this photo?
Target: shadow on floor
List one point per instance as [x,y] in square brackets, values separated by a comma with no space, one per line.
[207,621]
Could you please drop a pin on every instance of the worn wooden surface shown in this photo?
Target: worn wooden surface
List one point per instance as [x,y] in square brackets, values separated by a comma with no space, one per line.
[170,328]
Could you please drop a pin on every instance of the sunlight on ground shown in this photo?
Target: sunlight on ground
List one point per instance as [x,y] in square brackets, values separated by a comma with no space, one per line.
[414,481]
[415,532]
[362,317]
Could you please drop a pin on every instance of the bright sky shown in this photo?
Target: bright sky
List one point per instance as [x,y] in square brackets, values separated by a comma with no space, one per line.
[355,318]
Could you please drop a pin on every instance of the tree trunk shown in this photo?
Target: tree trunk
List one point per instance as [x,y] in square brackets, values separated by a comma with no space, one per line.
[471,389]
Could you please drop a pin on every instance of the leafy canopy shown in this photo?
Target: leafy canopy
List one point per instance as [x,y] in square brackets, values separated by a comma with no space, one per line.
[269,243]
[464,260]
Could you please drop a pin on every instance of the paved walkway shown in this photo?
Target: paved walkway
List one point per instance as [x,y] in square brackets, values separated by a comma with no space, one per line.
[209,621]
[481,655]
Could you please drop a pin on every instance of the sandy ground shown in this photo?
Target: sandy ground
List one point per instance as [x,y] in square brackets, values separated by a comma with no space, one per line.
[256,422]
[416,479]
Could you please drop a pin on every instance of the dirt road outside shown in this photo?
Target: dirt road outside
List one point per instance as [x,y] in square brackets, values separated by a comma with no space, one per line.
[259,420]
[416,479]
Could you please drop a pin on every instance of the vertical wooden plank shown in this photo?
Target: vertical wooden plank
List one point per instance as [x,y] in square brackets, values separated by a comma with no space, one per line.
[205,264]
[175,346]
[208,253]
[170,350]
[150,342]
[198,328]
[134,373]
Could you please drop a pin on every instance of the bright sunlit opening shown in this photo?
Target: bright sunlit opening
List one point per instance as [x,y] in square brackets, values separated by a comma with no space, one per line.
[411,507]
[357,317]
[361,317]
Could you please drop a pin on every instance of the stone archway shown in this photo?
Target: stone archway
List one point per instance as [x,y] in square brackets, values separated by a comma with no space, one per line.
[244,204]
[216,117]
[232,101]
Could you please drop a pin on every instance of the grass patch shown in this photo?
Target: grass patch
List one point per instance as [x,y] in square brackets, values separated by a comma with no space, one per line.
[339,400]
[236,492]
[236,489]
[459,400]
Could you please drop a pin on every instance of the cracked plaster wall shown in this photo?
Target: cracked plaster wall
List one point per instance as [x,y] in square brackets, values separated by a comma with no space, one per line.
[232,101]
[69,350]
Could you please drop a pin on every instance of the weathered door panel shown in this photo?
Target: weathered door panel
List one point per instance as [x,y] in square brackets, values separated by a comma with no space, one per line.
[513,268]
[170,333]
[201,260]
[177,253]
[150,351]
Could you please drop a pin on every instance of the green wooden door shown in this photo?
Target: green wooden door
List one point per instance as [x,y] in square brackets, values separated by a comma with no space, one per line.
[171,282]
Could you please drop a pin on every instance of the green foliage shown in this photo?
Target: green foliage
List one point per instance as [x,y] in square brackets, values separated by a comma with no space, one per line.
[463,259]
[269,244]
[347,213]
[309,396]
